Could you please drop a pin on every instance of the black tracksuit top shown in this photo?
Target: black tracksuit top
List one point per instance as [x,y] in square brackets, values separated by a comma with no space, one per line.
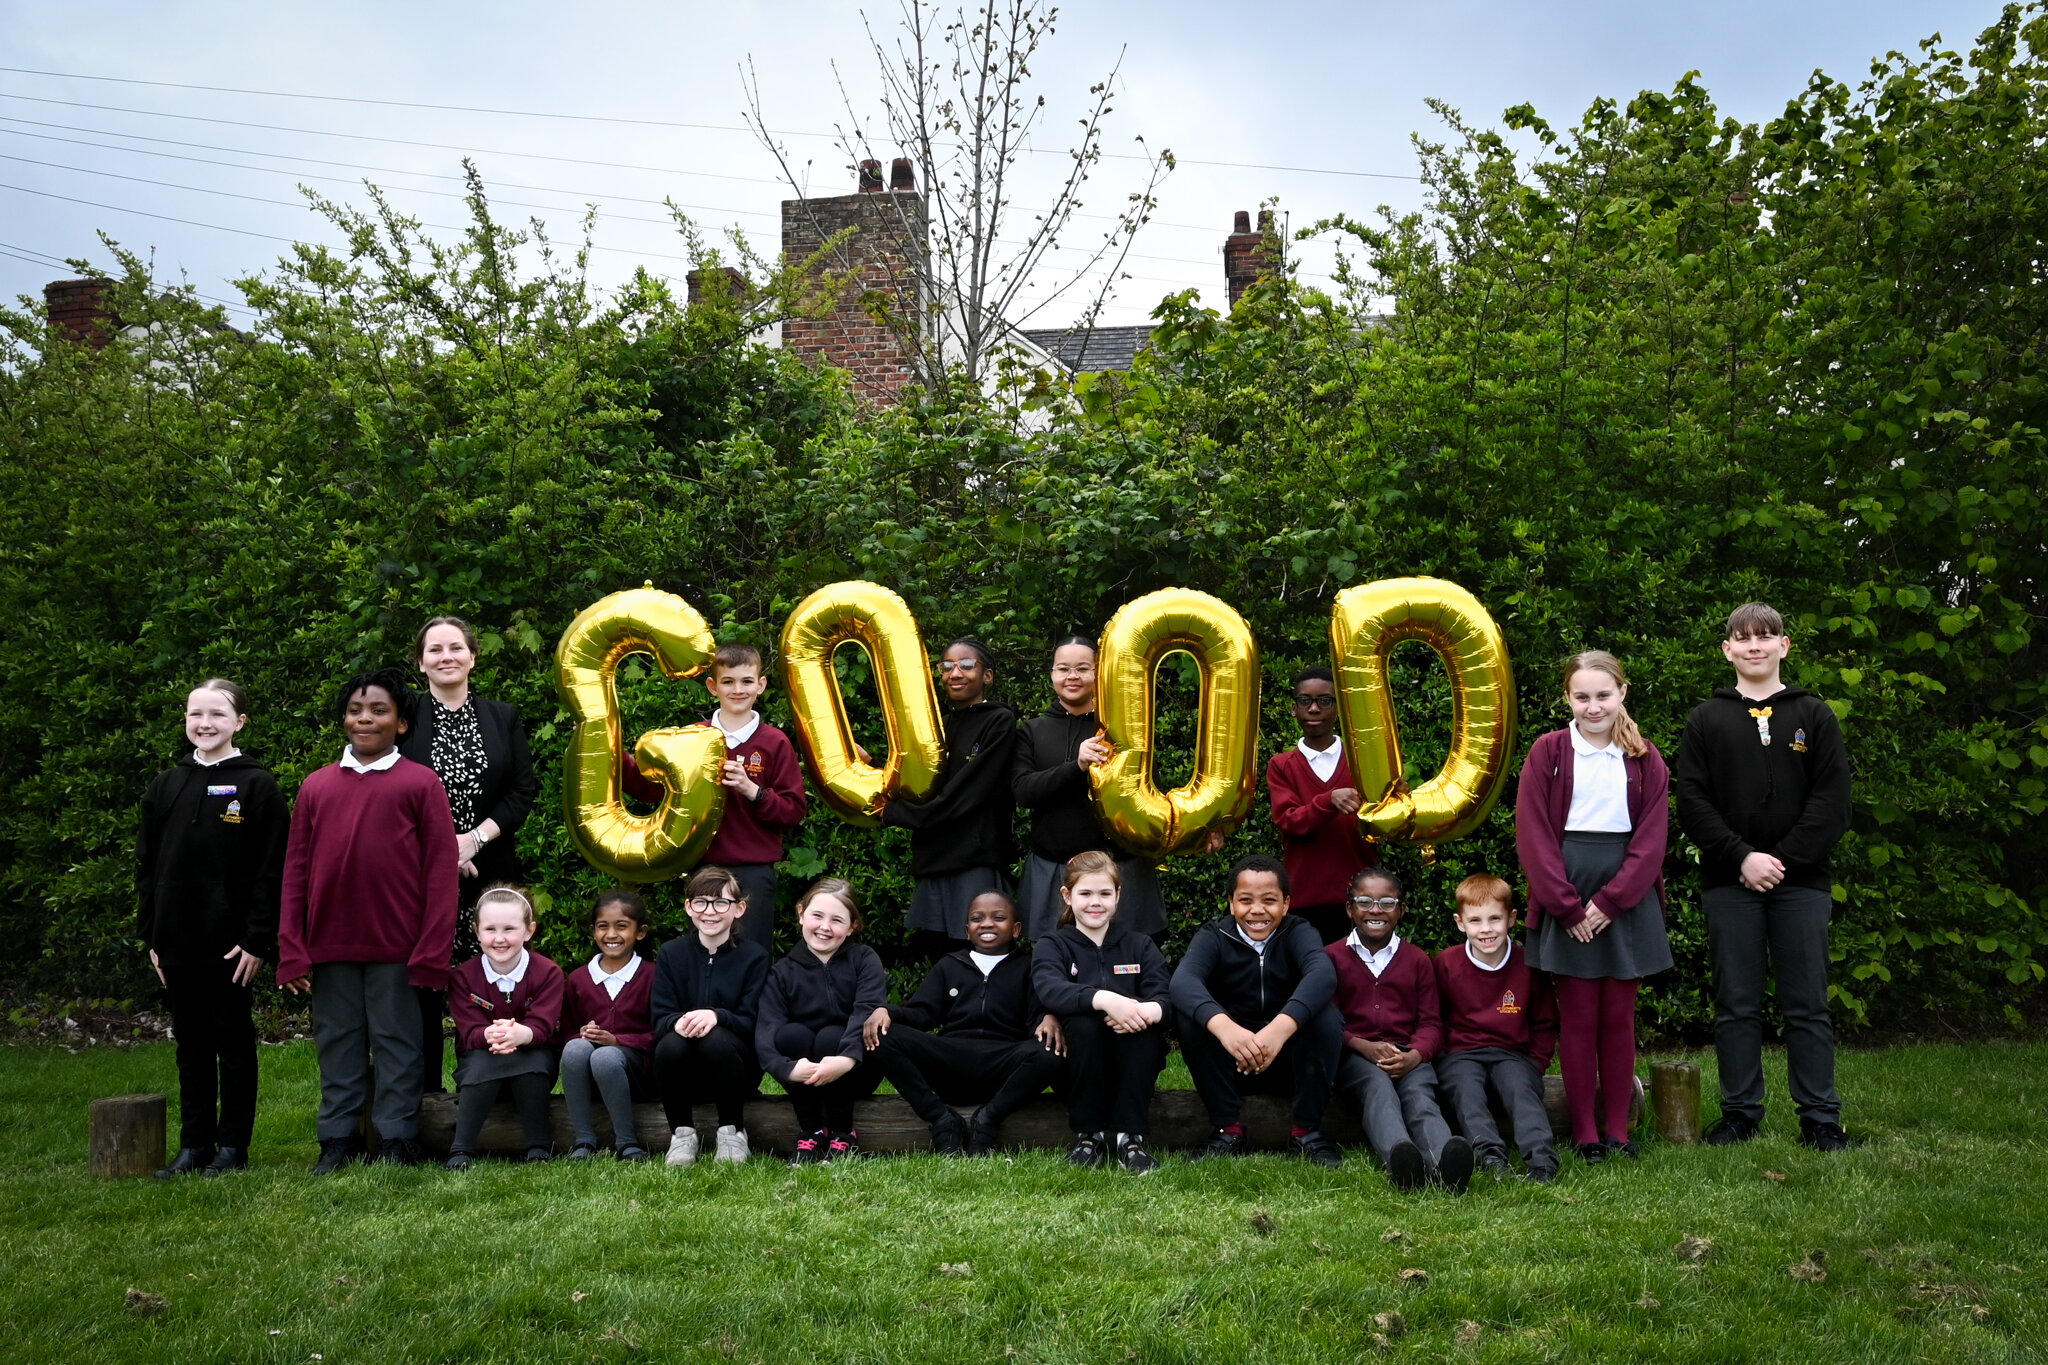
[209,861]
[1067,969]
[729,981]
[967,820]
[803,990]
[1047,779]
[1223,974]
[958,1001]
[1738,795]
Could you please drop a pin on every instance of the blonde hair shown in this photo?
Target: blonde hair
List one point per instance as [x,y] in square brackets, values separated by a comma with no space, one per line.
[1626,732]
[1092,863]
[505,891]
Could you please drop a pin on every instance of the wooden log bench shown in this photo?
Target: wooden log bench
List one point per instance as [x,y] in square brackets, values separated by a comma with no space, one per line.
[887,1123]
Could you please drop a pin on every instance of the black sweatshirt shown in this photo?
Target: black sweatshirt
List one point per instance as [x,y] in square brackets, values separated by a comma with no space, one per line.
[1047,779]
[1738,795]
[1223,974]
[966,821]
[209,861]
[958,1001]
[729,981]
[818,995]
[1067,969]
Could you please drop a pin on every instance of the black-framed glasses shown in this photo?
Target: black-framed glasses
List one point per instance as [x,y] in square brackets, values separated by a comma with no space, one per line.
[1377,902]
[1314,703]
[720,905]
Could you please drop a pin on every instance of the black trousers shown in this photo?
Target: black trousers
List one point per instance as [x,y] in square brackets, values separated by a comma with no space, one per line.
[931,1071]
[529,1095]
[1110,1075]
[433,1038]
[826,1106]
[1305,1068]
[719,1067]
[216,1034]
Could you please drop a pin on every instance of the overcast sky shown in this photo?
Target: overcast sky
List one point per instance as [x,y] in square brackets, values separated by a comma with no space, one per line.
[1312,104]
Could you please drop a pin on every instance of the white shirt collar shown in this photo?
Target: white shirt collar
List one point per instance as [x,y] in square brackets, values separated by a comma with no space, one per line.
[1257,945]
[1322,762]
[349,760]
[612,983]
[1375,962]
[510,979]
[1483,965]
[1581,745]
[741,735]
[988,962]
[232,753]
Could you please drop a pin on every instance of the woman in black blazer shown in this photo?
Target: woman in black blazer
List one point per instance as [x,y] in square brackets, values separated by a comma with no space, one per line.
[478,748]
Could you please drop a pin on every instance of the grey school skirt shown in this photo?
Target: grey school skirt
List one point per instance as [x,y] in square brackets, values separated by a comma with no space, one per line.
[1634,946]
[940,903]
[482,1064]
[1140,906]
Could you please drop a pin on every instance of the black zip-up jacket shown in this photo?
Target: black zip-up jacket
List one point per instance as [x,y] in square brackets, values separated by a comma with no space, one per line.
[1738,795]
[803,990]
[1067,969]
[729,981]
[966,821]
[958,1001]
[209,861]
[1223,974]
[1047,779]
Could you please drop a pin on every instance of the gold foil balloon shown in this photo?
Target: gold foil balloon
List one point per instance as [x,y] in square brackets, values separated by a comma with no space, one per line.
[1145,820]
[686,760]
[868,615]
[1366,623]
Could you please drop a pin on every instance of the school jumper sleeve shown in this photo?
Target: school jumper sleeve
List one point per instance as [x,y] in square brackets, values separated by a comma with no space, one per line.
[544,1004]
[1056,990]
[1542,1022]
[1034,787]
[870,992]
[294,958]
[1317,984]
[1189,987]
[145,862]
[1539,832]
[1698,814]
[634,1032]
[1154,985]
[1825,816]
[273,820]
[740,1018]
[1294,812]
[1429,1024]
[988,773]
[440,891]
[1650,812]
[774,1014]
[781,803]
[924,1009]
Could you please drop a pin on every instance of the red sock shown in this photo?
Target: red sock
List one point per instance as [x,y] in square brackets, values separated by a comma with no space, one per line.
[1234,1129]
[1301,1131]
[1617,1055]
[1578,1034]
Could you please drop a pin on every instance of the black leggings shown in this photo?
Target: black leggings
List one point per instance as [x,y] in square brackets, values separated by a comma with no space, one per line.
[1111,1074]
[825,1106]
[216,1032]
[529,1095]
[719,1067]
[931,1071]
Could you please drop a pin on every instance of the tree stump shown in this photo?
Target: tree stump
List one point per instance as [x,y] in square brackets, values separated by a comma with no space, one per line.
[126,1136]
[1675,1098]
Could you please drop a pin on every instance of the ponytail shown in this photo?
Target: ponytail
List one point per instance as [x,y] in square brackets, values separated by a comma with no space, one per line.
[1626,733]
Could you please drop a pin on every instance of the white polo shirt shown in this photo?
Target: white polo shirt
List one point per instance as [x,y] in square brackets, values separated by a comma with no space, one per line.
[1599,788]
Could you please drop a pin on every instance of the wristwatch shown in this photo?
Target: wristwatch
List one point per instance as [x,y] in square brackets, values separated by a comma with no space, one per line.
[480,837]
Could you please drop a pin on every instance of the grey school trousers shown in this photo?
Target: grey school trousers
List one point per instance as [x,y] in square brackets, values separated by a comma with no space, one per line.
[1391,1111]
[1465,1077]
[1782,934]
[360,1008]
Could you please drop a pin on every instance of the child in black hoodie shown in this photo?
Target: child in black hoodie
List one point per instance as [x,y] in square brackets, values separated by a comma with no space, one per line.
[988,1041]
[813,1008]
[1763,789]
[706,1004]
[1108,985]
[960,837]
[209,867]
[1253,1003]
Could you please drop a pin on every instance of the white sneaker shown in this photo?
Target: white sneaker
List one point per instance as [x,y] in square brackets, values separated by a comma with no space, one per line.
[682,1148]
[732,1144]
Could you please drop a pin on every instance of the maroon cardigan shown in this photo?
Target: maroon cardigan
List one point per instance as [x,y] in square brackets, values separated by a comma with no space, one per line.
[1398,1006]
[1543,803]
[535,1002]
[630,1018]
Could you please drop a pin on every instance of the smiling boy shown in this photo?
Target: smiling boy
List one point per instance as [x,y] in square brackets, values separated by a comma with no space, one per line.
[1314,800]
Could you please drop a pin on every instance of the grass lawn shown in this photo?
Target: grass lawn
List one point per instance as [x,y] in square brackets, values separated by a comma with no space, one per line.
[1931,1232]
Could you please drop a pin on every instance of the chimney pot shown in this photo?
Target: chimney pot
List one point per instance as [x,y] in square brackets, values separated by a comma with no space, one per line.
[871,176]
[901,177]
[1243,223]
[1265,220]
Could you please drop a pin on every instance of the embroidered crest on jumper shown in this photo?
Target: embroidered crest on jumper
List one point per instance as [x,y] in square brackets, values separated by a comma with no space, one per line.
[1508,1003]
[1799,741]
[233,814]
[228,790]
[756,765]
[1126,969]
[1763,723]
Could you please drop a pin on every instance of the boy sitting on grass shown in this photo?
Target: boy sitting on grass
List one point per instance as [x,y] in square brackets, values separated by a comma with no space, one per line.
[1501,1018]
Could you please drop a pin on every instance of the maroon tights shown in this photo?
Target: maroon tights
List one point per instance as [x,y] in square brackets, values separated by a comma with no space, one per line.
[1596,1047]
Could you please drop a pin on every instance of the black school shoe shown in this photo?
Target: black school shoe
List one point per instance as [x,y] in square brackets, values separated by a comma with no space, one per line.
[1318,1150]
[1541,1174]
[458,1161]
[1089,1150]
[949,1135]
[398,1152]
[1730,1129]
[1592,1153]
[810,1149]
[1132,1156]
[1222,1144]
[1405,1166]
[632,1152]
[1496,1165]
[981,1134]
[188,1161]
[225,1160]
[336,1153]
[1454,1167]
[1822,1137]
[1623,1147]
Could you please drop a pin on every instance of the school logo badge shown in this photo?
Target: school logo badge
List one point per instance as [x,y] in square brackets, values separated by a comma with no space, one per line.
[233,814]
[756,765]
[1799,741]
[1126,969]
[228,790]
[1508,1003]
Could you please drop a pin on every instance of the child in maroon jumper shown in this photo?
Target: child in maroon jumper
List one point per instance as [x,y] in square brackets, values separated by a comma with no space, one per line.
[1313,802]
[1393,1026]
[1502,1023]
[506,1004]
[608,1026]
[368,915]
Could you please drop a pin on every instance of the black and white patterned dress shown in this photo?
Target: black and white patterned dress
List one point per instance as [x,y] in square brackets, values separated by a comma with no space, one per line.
[459,759]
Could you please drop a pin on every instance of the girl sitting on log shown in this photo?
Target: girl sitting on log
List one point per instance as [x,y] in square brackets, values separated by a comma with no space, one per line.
[506,1003]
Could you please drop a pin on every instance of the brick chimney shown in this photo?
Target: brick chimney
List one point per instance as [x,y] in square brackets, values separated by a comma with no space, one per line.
[878,257]
[1244,253]
[79,311]
[724,281]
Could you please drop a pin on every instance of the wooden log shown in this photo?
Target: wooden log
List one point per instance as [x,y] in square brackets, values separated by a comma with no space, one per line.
[1675,1099]
[126,1136]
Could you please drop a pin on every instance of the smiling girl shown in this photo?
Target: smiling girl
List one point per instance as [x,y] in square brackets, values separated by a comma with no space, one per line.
[813,1009]
[1591,819]
[707,994]
[607,1031]
[507,1002]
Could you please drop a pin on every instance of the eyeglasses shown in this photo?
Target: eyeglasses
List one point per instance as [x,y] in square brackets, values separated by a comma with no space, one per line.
[1377,902]
[960,666]
[1073,670]
[719,906]
[1315,703]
